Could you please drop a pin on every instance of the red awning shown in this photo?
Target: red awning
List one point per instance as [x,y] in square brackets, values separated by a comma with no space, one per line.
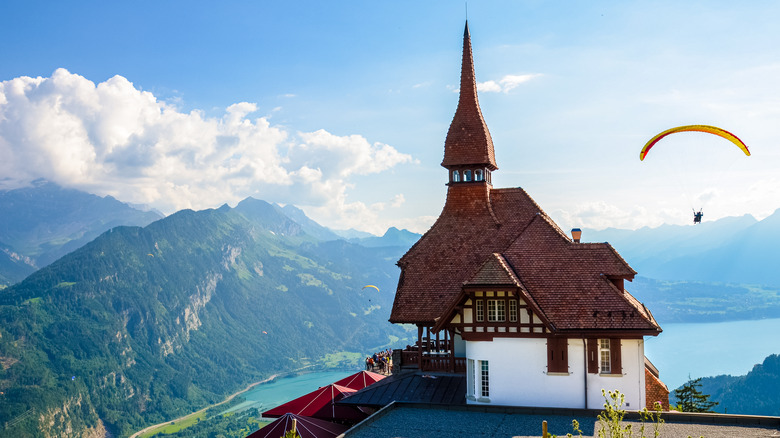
[360,380]
[320,404]
[305,426]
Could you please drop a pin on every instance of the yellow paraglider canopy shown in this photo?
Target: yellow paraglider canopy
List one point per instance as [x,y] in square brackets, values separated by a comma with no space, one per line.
[371,285]
[697,128]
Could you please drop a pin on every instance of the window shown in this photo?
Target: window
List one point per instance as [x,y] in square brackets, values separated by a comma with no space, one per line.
[557,355]
[466,175]
[610,357]
[480,310]
[478,175]
[477,380]
[484,379]
[496,310]
[606,359]
[512,310]
[455,176]
[470,381]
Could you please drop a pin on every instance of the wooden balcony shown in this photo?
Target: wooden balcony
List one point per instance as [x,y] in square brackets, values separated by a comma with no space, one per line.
[443,362]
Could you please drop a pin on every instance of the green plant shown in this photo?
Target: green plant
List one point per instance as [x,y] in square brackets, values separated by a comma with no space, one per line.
[690,399]
[611,419]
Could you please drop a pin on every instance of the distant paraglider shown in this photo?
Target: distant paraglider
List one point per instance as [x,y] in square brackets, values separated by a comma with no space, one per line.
[697,215]
[371,285]
[694,128]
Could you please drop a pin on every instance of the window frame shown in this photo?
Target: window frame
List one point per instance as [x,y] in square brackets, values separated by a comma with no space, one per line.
[484,379]
[513,310]
[605,356]
[498,311]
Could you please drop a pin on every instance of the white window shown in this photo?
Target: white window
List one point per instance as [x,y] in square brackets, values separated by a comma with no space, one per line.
[477,380]
[484,382]
[496,310]
[512,310]
[466,175]
[606,359]
[478,175]
[470,381]
[455,176]
[480,310]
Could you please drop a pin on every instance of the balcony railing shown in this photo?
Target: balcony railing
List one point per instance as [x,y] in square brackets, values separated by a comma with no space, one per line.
[434,362]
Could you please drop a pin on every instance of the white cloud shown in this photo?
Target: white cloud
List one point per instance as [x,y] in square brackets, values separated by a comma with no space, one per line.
[505,84]
[600,215]
[112,138]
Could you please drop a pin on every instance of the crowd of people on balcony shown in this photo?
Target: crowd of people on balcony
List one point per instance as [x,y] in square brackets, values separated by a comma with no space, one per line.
[380,362]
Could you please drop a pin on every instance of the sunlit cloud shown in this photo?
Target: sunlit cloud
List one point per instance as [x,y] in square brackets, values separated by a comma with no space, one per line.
[113,139]
[505,84]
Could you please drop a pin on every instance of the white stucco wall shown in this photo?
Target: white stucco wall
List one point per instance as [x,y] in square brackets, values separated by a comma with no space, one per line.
[518,374]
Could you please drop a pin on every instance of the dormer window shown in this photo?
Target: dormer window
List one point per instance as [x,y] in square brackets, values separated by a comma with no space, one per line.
[466,175]
[455,176]
[479,311]
[496,310]
[478,175]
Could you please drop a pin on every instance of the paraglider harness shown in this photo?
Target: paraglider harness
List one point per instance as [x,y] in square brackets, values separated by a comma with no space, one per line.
[697,216]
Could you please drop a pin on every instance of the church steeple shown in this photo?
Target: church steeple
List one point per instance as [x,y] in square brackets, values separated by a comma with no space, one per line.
[468,147]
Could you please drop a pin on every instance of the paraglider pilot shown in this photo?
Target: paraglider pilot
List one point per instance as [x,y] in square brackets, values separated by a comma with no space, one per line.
[697,216]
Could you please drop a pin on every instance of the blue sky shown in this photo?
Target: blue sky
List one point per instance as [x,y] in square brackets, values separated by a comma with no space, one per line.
[342,108]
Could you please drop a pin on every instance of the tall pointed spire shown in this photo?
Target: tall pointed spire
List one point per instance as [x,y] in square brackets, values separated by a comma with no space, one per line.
[468,140]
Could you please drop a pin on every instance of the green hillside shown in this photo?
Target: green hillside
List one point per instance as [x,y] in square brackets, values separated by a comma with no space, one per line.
[757,393]
[144,324]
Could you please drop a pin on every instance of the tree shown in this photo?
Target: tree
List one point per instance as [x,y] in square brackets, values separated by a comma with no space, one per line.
[690,399]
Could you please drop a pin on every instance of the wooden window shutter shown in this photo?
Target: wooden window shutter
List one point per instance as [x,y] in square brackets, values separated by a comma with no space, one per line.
[593,355]
[557,355]
[614,351]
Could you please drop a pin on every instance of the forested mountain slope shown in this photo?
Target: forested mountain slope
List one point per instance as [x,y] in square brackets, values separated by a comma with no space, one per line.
[757,393]
[143,324]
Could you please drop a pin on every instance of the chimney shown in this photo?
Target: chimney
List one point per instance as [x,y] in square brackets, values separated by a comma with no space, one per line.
[576,233]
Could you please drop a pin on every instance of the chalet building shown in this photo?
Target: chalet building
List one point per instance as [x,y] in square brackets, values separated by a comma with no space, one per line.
[499,292]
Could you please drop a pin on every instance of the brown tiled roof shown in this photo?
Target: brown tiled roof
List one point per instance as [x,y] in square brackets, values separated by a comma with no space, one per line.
[468,139]
[494,271]
[483,231]
[501,236]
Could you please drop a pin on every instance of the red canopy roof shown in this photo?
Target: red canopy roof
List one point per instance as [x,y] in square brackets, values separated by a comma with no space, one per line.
[360,380]
[306,428]
[320,404]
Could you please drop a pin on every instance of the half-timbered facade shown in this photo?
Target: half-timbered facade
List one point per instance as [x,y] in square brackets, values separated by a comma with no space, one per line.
[498,291]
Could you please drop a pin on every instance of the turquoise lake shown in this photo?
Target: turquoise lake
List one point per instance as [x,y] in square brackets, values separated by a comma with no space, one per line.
[711,349]
[281,390]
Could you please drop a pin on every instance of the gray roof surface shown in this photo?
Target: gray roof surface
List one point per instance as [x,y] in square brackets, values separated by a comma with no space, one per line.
[422,421]
[412,387]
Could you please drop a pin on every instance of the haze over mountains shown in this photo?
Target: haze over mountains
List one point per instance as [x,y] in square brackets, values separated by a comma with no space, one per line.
[42,223]
[733,250]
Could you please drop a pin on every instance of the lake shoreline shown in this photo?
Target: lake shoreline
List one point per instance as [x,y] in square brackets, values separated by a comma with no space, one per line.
[249,387]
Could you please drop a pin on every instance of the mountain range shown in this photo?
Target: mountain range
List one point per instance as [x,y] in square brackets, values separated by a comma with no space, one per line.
[738,250]
[143,324]
[43,222]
